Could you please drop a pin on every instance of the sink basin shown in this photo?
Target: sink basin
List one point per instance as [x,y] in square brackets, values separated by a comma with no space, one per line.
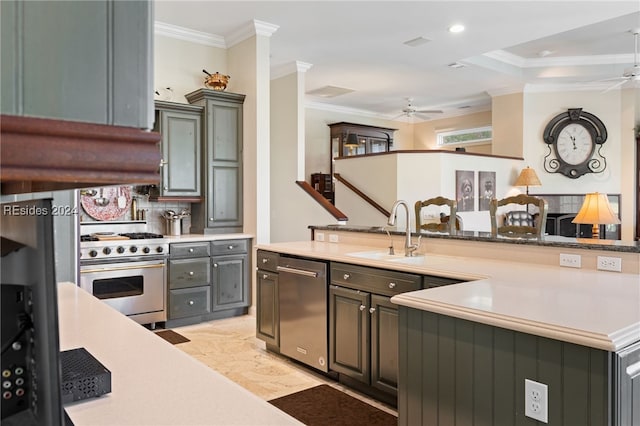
[384,255]
[414,260]
[375,255]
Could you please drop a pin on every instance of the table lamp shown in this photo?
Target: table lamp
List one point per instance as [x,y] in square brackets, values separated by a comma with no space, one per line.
[528,177]
[596,211]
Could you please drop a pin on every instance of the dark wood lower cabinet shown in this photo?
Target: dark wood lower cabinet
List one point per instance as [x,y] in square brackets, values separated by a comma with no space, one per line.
[458,372]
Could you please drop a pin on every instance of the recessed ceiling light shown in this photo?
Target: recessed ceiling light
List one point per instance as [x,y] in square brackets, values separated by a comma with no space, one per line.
[417,41]
[456,28]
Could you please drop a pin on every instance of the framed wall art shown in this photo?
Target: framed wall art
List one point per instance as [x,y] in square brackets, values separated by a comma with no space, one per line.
[486,189]
[465,191]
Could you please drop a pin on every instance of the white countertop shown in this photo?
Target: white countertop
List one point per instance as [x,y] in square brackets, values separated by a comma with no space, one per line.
[153,383]
[591,308]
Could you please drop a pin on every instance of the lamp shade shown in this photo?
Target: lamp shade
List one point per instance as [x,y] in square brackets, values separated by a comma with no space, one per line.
[596,210]
[528,177]
[352,140]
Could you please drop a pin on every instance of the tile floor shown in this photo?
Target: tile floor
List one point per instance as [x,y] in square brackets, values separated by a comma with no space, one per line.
[230,347]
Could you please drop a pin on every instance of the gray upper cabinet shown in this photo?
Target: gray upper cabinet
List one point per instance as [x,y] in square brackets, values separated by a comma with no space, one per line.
[87,61]
[221,210]
[180,126]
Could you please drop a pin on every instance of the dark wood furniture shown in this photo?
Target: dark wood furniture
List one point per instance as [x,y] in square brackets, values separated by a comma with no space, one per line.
[365,140]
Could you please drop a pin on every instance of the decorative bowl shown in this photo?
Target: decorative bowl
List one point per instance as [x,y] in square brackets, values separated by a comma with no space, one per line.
[217,81]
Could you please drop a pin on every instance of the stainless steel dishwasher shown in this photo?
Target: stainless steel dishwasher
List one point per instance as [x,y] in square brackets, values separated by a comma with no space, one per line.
[303,311]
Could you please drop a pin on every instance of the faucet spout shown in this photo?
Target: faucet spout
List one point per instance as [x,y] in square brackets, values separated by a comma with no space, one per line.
[409,247]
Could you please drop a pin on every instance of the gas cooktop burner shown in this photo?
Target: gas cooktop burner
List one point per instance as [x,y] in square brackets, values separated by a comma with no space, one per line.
[141,235]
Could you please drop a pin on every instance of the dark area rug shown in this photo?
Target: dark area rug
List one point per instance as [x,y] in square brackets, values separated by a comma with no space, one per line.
[172,337]
[324,405]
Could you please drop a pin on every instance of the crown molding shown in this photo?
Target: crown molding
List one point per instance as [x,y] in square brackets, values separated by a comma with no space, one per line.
[519,61]
[253,28]
[289,68]
[181,33]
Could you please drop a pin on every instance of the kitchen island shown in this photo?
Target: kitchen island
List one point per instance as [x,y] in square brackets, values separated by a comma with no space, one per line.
[575,329]
[153,383]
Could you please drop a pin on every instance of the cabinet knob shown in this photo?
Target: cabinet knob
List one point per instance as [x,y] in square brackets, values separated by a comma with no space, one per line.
[372,310]
[190,273]
[166,188]
[265,276]
[162,163]
[346,276]
[190,302]
[215,265]
[211,219]
[190,250]
[392,285]
[362,307]
[265,260]
[230,247]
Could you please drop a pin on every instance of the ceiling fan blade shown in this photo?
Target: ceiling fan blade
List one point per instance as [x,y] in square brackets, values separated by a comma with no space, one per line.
[430,111]
[616,85]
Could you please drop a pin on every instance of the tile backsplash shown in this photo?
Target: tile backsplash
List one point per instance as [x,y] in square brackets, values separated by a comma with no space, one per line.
[153,212]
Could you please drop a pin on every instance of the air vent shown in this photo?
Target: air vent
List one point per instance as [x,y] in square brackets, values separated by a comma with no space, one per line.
[329,91]
[419,41]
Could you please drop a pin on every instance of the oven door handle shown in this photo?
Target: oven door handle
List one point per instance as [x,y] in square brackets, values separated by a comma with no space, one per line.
[121,268]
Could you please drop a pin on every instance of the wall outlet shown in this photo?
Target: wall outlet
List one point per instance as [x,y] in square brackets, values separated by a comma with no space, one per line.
[333,238]
[319,236]
[606,263]
[536,401]
[570,260]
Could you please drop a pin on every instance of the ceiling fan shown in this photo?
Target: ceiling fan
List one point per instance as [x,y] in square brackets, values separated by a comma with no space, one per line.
[411,111]
[630,74]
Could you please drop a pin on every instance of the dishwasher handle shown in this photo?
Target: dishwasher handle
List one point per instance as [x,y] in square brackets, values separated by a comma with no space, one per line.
[297,271]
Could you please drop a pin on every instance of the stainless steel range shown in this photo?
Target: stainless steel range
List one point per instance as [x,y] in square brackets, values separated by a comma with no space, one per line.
[127,270]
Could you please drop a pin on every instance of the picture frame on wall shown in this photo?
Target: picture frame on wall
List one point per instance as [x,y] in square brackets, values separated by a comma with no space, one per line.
[465,190]
[486,189]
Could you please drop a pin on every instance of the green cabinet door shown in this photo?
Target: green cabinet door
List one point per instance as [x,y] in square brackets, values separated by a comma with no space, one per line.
[221,210]
[180,127]
[88,61]
[384,344]
[349,332]
[230,287]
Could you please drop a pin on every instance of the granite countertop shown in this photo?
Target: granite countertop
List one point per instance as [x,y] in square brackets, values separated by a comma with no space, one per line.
[597,309]
[547,240]
[153,383]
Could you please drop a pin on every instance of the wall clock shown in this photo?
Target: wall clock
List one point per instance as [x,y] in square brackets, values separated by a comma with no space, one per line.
[574,139]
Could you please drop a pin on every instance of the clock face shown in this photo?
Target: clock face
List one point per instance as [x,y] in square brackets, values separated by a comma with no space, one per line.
[574,144]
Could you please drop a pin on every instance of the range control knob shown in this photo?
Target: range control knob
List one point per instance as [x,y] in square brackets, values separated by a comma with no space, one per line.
[106,250]
[146,250]
[93,253]
[133,249]
[120,249]
[160,249]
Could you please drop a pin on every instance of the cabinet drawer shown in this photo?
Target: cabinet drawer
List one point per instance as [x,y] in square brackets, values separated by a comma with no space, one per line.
[431,281]
[267,261]
[189,302]
[380,281]
[228,247]
[189,272]
[190,249]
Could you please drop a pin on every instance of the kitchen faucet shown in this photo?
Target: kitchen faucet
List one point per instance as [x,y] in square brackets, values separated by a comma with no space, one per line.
[409,248]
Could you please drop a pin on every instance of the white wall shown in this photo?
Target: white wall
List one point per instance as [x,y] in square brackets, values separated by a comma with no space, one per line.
[178,64]
[291,209]
[417,176]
